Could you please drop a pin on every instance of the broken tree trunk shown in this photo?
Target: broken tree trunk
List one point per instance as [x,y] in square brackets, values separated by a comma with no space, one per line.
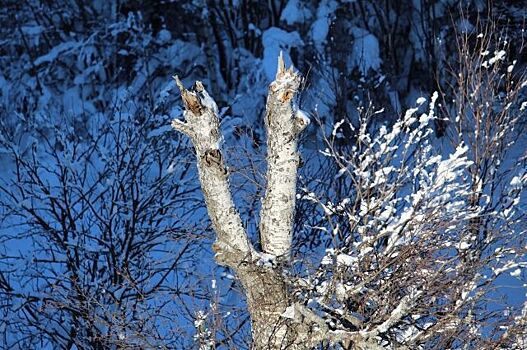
[265,288]
[277,321]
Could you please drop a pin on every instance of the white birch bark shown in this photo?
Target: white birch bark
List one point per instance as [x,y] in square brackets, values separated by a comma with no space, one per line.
[202,126]
[284,124]
[265,288]
[277,321]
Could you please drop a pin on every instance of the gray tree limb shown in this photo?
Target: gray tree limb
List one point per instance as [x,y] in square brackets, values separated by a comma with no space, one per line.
[202,126]
[284,124]
[278,322]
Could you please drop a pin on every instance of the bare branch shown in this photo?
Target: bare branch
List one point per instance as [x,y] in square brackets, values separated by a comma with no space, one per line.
[284,123]
[202,126]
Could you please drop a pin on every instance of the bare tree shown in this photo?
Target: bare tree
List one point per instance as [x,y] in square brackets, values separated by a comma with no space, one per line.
[387,238]
[93,233]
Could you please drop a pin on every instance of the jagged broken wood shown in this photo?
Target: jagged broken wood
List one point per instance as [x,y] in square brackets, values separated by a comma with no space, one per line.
[278,321]
[201,125]
[284,123]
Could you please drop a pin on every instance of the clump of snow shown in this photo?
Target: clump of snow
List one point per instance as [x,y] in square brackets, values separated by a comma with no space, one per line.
[295,12]
[171,168]
[289,312]
[463,246]
[227,275]
[300,114]
[328,258]
[346,260]
[366,53]
[276,40]
[498,56]
[208,102]
[517,182]
[320,28]
[516,273]
[164,36]
[266,260]
[336,127]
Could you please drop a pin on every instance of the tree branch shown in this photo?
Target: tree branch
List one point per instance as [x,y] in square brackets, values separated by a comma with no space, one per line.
[202,126]
[284,123]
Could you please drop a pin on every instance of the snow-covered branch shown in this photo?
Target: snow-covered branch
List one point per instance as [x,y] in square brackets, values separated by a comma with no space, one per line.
[405,305]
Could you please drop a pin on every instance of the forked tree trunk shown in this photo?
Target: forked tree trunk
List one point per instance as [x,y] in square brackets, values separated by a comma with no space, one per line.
[277,321]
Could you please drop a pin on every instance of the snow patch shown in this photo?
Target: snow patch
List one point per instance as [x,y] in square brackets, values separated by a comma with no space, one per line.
[289,312]
[275,40]
[295,12]
[366,53]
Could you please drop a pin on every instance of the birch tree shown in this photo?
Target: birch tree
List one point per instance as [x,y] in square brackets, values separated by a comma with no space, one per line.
[400,277]
[265,287]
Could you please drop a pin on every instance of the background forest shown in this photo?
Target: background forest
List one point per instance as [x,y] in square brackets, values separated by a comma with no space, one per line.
[105,241]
